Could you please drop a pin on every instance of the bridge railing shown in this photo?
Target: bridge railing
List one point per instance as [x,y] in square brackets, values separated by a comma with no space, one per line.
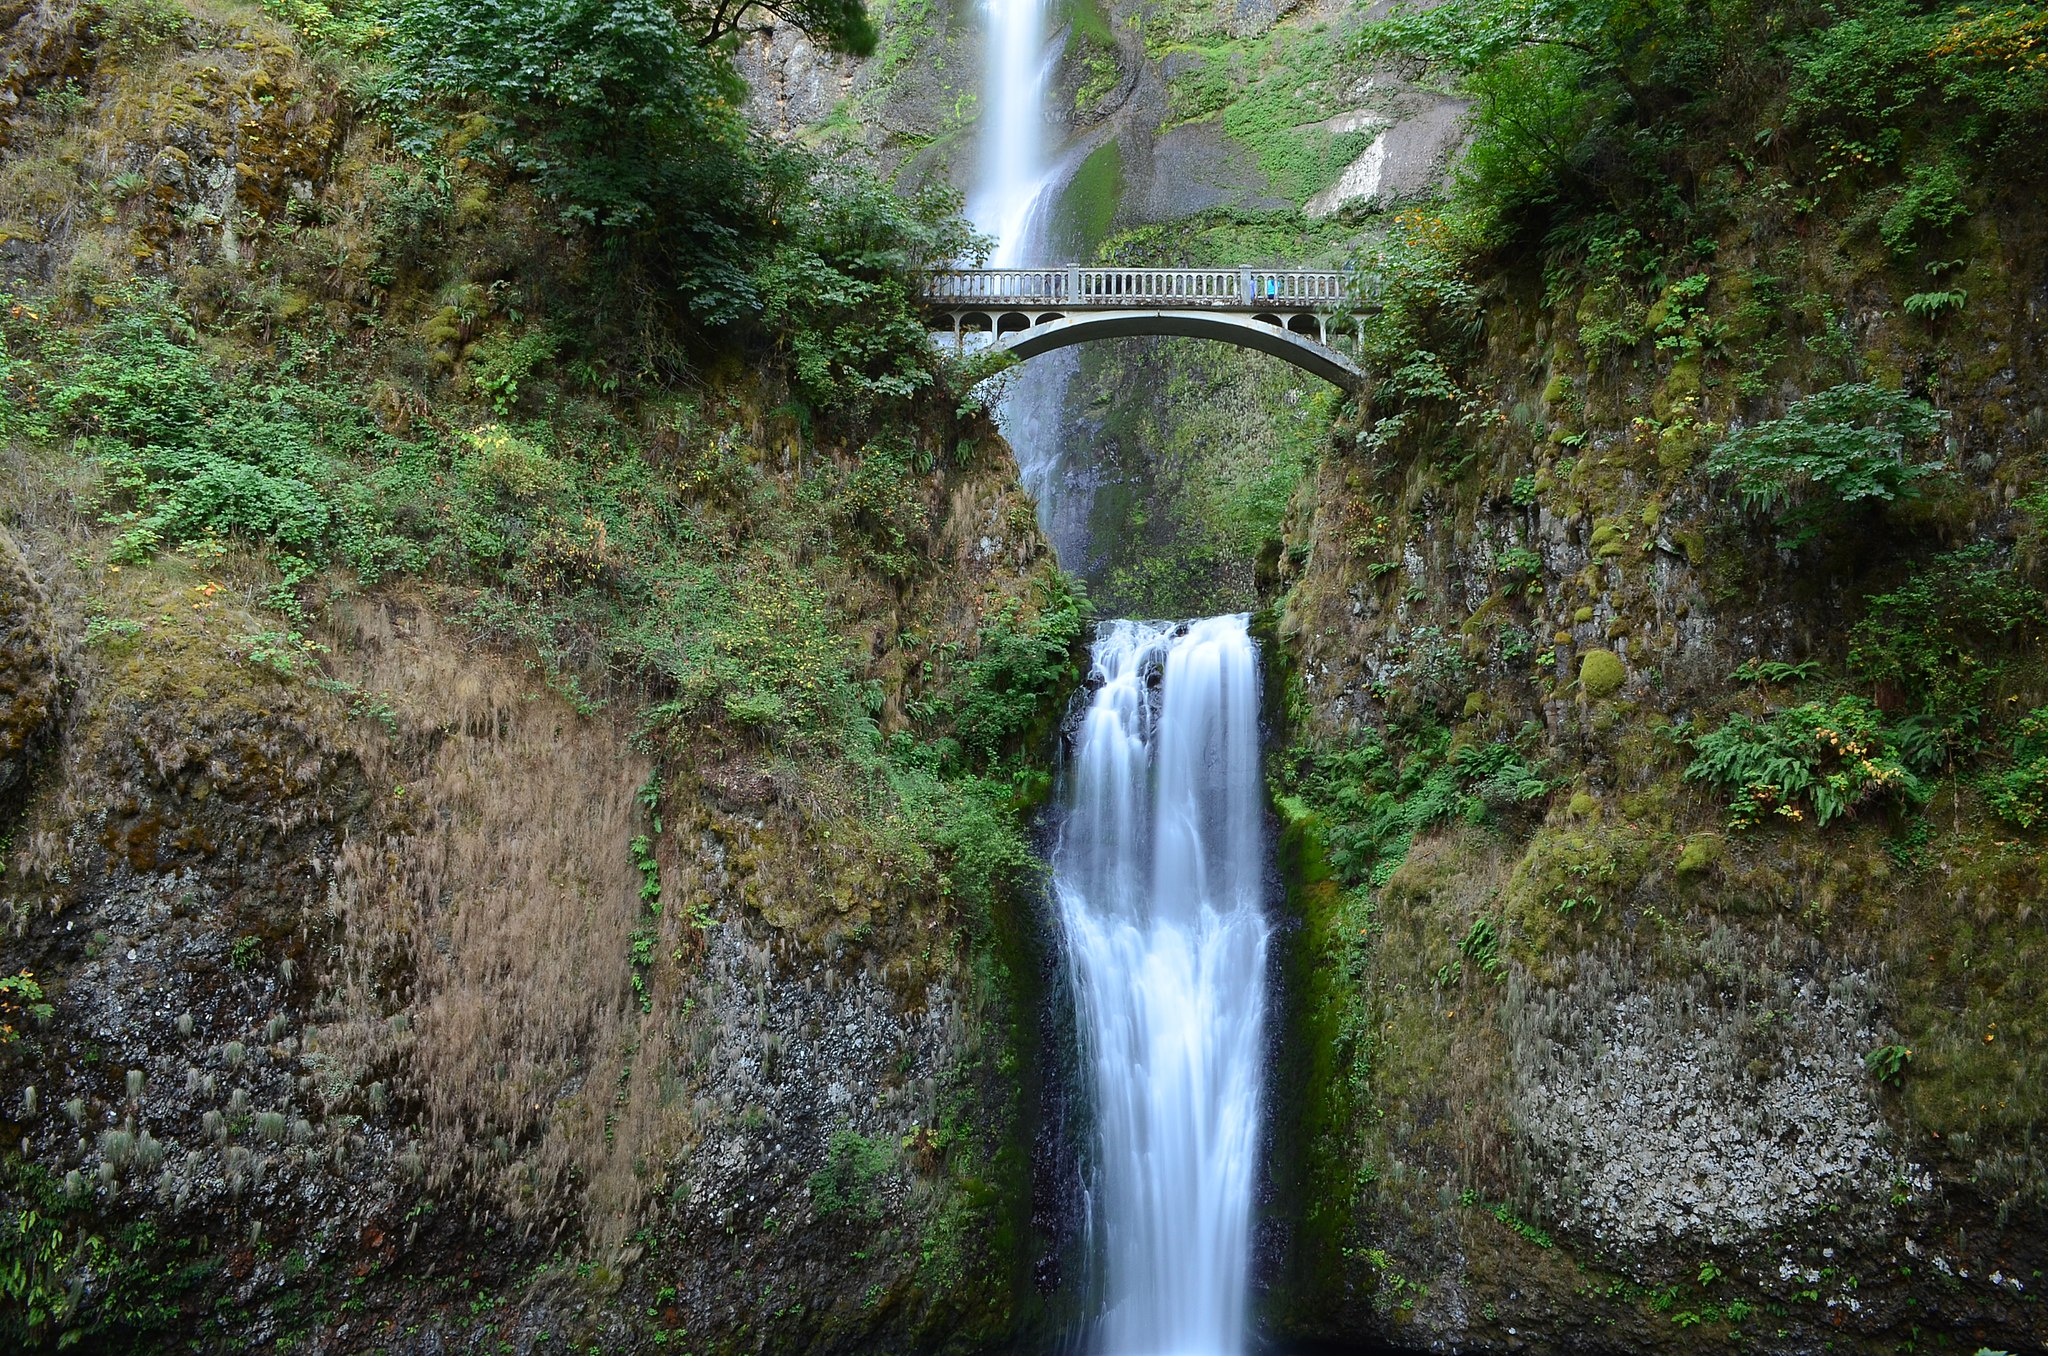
[1117,288]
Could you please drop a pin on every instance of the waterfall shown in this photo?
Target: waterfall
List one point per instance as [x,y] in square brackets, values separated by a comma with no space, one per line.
[1013,164]
[1159,865]
[1016,188]
[1158,875]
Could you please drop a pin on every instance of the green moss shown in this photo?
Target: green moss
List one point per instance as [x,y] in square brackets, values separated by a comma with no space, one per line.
[1701,851]
[1601,673]
[1090,21]
[1088,206]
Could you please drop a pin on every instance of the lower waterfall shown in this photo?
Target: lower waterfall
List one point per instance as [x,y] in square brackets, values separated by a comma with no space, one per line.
[1158,873]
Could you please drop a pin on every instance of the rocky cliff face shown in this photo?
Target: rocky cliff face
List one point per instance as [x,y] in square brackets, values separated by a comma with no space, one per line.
[1591,1059]
[392,973]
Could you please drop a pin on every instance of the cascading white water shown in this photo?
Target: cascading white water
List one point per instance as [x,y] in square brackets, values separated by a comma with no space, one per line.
[1158,873]
[1015,190]
[1160,859]
[1013,163]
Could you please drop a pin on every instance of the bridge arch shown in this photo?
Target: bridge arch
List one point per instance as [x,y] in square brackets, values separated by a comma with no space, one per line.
[1296,341]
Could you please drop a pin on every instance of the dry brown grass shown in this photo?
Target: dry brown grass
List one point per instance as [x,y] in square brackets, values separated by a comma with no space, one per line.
[485,928]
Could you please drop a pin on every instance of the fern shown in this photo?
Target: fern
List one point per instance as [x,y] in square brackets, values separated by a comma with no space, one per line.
[1833,757]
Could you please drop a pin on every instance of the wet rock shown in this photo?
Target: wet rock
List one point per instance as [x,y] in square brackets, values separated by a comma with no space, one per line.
[29,691]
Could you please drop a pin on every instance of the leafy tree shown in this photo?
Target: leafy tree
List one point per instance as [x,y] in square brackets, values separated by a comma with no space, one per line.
[1561,87]
[841,25]
[619,117]
[838,286]
[626,115]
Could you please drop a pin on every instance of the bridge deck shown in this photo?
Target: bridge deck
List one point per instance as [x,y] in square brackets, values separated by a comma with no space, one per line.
[1073,288]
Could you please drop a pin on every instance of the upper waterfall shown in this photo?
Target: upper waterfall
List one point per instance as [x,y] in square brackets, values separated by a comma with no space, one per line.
[1013,168]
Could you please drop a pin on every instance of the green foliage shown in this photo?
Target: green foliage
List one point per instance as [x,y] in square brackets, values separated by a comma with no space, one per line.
[1940,640]
[352,26]
[1928,305]
[838,288]
[1275,118]
[1481,946]
[1888,1062]
[1847,445]
[1018,665]
[1862,75]
[626,115]
[854,1166]
[1522,1227]
[1773,672]
[607,103]
[1929,204]
[129,28]
[1519,564]
[1554,82]
[644,862]
[63,1284]
[1426,325]
[188,454]
[500,362]
[21,999]
[2018,793]
[1834,758]
[1374,807]
[1582,108]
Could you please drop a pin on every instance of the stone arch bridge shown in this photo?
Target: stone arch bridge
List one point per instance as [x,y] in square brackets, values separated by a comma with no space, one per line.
[1028,311]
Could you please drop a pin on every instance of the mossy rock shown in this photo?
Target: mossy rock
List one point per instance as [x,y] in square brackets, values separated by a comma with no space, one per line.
[1701,851]
[1601,673]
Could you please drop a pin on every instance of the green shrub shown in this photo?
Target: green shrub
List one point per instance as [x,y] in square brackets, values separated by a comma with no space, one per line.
[188,453]
[128,28]
[854,1167]
[626,114]
[1843,446]
[1939,641]
[1426,323]
[2019,792]
[63,1284]
[1930,203]
[838,288]
[1018,665]
[21,999]
[1871,71]
[1832,758]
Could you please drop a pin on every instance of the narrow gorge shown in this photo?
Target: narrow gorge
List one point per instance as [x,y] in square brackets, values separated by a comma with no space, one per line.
[591,760]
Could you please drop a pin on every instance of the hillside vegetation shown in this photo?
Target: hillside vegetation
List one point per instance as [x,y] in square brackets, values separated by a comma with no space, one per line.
[1667,640]
[519,663]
